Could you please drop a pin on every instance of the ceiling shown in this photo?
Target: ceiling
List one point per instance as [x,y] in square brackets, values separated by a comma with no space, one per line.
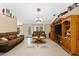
[27,12]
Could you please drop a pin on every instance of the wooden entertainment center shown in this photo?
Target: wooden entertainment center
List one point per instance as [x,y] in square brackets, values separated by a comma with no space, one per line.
[69,37]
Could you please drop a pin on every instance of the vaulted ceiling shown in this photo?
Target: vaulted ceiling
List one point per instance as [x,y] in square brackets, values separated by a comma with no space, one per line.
[27,12]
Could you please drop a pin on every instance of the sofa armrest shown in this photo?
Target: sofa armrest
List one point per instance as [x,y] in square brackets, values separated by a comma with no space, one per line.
[3,47]
[4,44]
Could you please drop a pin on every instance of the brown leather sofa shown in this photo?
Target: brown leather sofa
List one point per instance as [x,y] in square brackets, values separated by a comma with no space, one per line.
[13,40]
[39,36]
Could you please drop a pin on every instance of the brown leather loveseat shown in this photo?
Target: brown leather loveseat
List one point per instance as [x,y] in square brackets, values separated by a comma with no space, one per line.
[10,40]
[39,36]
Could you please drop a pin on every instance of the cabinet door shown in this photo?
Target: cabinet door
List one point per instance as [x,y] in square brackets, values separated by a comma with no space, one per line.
[77,37]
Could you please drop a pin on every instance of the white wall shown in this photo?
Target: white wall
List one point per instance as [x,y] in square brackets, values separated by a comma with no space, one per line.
[25,28]
[47,29]
[7,24]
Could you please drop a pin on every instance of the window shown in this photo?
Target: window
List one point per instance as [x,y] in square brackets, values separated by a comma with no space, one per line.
[39,28]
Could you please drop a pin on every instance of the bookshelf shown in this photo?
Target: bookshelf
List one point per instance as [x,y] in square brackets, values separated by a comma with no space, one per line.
[70,31]
[69,40]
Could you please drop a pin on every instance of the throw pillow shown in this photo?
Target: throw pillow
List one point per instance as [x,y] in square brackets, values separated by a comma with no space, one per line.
[11,37]
[4,39]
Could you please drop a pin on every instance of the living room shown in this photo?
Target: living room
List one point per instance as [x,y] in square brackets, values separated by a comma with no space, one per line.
[35,27]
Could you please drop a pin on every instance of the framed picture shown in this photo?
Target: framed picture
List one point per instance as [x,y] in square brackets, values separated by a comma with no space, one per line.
[7,12]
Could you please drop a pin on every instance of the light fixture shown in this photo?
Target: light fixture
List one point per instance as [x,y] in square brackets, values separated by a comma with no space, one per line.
[54,14]
[38,19]
[38,9]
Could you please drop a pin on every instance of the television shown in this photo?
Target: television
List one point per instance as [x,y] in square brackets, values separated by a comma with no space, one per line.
[58,29]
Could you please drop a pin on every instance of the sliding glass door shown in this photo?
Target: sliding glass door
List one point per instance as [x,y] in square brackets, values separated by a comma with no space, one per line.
[39,28]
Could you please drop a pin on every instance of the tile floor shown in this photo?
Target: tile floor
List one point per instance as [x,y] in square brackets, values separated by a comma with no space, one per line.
[26,48]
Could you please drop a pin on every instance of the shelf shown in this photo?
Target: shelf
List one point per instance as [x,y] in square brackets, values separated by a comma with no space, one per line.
[67,25]
[67,38]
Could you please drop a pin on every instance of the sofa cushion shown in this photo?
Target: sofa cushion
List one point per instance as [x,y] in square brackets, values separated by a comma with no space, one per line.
[11,37]
[2,42]
[12,42]
[3,34]
[4,39]
[35,37]
[42,37]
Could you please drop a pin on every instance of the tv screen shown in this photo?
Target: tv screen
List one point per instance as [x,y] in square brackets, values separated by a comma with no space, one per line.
[58,29]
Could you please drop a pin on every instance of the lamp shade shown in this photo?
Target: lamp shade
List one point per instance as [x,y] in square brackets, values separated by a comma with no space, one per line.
[38,20]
